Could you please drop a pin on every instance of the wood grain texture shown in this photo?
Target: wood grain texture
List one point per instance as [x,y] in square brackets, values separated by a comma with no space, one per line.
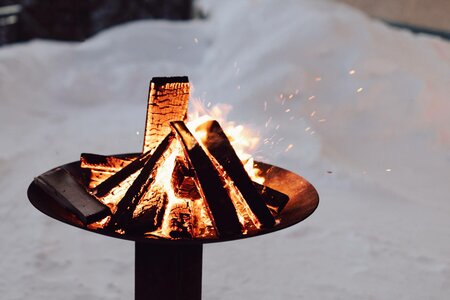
[167,102]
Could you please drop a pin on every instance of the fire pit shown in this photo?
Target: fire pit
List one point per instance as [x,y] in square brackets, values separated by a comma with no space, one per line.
[188,187]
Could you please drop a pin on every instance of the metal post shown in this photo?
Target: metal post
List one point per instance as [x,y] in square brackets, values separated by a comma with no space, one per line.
[168,272]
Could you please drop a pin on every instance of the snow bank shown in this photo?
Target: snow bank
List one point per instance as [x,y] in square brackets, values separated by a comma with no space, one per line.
[353,97]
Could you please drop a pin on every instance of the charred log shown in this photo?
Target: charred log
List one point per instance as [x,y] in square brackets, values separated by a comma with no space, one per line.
[168,101]
[274,199]
[139,188]
[150,218]
[107,163]
[216,197]
[98,168]
[180,222]
[183,182]
[71,195]
[106,186]
[220,148]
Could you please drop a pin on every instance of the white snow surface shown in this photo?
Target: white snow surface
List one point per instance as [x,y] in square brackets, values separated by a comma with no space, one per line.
[365,106]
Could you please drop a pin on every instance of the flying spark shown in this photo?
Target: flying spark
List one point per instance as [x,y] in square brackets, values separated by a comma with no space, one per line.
[268,122]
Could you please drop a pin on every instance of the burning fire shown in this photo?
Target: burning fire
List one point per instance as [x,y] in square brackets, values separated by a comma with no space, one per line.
[167,191]
[243,139]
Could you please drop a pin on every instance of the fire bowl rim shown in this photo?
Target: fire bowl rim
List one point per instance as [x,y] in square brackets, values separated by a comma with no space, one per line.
[303,201]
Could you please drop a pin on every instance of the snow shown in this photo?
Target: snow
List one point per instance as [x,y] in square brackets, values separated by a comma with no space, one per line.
[367,119]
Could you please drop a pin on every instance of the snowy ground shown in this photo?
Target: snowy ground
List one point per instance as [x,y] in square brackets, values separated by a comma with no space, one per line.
[365,101]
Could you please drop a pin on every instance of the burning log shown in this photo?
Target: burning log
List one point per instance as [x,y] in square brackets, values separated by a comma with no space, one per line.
[168,101]
[108,163]
[211,186]
[149,218]
[180,222]
[100,167]
[139,189]
[71,195]
[220,148]
[274,199]
[178,189]
[183,182]
[106,186]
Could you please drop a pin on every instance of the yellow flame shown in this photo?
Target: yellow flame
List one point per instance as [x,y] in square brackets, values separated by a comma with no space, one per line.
[243,139]
[194,212]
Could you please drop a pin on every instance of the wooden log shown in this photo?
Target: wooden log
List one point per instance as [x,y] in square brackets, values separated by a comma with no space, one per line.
[150,218]
[220,148]
[180,222]
[167,101]
[93,178]
[107,163]
[98,168]
[274,199]
[220,205]
[139,188]
[59,184]
[106,186]
[183,182]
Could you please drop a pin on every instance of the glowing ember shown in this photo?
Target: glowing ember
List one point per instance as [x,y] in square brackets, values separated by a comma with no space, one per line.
[193,180]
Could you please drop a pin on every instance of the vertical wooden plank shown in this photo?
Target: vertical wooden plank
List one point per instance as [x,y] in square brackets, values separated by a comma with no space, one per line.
[167,101]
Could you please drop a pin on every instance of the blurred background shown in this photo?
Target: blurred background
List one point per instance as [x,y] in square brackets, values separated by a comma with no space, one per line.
[22,20]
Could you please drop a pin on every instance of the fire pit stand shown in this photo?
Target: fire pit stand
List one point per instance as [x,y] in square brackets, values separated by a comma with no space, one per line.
[175,274]
[172,269]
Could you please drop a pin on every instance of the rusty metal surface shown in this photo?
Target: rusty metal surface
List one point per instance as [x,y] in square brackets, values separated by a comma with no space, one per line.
[303,200]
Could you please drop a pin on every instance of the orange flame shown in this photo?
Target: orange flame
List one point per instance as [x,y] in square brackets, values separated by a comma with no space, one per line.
[184,216]
[243,139]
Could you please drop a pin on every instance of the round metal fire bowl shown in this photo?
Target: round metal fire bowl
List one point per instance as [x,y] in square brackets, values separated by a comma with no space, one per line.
[303,200]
